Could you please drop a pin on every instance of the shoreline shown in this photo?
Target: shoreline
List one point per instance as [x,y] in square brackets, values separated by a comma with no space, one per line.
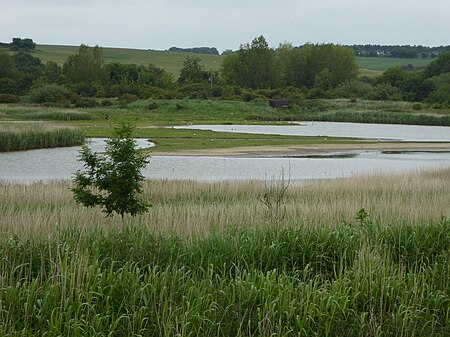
[304,150]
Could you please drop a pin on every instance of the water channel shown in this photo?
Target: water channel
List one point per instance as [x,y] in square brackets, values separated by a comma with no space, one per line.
[61,163]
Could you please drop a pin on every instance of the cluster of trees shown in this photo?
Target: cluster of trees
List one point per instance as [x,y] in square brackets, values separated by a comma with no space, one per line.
[432,85]
[254,71]
[196,50]
[84,74]
[404,51]
[20,44]
[257,66]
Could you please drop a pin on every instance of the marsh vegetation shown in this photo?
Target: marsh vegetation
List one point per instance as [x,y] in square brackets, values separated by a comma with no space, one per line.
[18,136]
[209,260]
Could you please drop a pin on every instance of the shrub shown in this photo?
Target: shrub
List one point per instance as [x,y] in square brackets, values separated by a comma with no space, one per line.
[9,98]
[106,103]
[50,93]
[86,103]
[126,99]
[417,106]
[153,105]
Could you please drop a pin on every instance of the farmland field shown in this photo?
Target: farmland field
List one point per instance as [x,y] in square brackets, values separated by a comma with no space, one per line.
[172,62]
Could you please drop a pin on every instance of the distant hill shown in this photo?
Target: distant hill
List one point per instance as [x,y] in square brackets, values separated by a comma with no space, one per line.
[172,61]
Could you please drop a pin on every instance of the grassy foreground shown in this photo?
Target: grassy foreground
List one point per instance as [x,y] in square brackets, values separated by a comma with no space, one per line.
[209,260]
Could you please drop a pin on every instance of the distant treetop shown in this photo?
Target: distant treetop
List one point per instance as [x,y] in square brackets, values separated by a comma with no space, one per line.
[197,50]
[19,44]
[404,51]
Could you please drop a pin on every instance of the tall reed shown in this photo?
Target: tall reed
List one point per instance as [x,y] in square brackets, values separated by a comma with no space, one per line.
[16,136]
[208,260]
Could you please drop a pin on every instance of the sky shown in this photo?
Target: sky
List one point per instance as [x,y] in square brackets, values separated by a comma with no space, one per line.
[225,24]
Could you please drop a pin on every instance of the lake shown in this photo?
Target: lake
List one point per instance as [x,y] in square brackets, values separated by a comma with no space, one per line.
[411,133]
[61,163]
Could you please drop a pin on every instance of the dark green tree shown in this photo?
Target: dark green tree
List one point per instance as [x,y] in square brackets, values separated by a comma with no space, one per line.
[254,65]
[51,73]
[8,74]
[29,68]
[412,85]
[84,70]
[22,44]
[113,180]
[192,71]
[439,66]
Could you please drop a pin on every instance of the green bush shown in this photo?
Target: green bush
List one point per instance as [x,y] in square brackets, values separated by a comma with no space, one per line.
[9,98]
[152,105]
[105,103]
[417,106]
[126,99]
[86,103]
[48,94]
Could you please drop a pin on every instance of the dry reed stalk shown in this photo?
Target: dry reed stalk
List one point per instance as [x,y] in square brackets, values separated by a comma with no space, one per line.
[191,208]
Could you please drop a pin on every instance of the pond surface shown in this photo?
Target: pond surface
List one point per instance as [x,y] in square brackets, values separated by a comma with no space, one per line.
[61,163]
[414,133]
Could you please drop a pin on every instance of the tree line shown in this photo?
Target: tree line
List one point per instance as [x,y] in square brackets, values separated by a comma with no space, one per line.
[196,50]
[255,71]
[398,51]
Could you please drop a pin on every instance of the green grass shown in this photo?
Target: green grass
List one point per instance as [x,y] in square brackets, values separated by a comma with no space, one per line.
[172,62]
[349,280]
[382,63]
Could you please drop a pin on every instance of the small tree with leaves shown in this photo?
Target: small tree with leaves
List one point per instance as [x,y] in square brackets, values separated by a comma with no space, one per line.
[112,180]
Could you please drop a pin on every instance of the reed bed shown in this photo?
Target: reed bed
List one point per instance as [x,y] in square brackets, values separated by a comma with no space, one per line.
[192,208]
[20,136]
[211,260]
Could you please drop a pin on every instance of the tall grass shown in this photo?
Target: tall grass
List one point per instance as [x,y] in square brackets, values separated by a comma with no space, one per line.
[27,136]
[207,260]
[57,116]
[346,280]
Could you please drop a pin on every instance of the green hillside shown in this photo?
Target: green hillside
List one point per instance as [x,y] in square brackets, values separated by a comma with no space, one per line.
[382,63]
[173,61]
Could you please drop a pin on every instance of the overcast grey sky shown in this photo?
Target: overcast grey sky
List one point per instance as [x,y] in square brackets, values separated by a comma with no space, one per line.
[225,24]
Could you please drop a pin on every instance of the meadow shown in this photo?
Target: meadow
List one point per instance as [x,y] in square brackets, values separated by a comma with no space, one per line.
[172,62]
[215,260]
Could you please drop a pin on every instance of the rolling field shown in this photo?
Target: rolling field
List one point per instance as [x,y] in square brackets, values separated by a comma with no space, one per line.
[172,62]
[382,63]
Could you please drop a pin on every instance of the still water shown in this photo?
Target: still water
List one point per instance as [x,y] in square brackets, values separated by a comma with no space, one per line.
[61,163]
[412,133]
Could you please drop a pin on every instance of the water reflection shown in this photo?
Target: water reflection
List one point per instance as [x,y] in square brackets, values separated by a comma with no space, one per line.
[61,163]
[415,133]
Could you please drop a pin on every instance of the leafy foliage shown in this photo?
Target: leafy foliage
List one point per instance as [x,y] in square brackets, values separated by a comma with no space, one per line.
[192,71]
[113,180]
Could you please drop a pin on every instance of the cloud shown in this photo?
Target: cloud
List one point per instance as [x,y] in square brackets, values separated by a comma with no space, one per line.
[159,24]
